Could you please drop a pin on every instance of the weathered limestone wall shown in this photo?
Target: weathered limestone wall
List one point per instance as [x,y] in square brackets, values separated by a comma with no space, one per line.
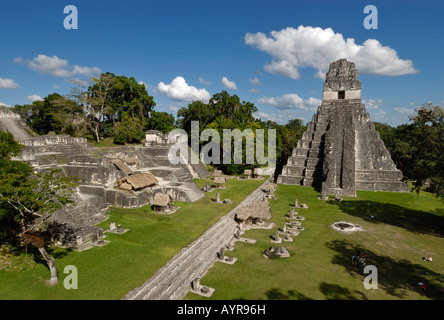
[6,113]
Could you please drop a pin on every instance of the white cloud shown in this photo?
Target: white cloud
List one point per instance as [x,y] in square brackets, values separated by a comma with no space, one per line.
[254,90]
[372,103]
[404,110]
[266,116]
[33,98]
[179,90]
[255,81]
[314,102]
[6,83]
[203,81]
[79,82]
[56,86]
[292,49]
[290,101]
[229,84]
[173,108]
[280,118]
[147,86]
[55,66]
[380,115]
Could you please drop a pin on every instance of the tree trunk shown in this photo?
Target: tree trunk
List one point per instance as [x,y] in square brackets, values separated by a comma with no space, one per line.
[52,266]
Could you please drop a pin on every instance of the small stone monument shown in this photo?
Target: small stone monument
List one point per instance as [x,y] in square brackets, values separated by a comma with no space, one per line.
[221,254]
[338,197]
[195,285]
[323,195]
[79,241]
[217,200]
[207,187]
[112,226]
[277,238]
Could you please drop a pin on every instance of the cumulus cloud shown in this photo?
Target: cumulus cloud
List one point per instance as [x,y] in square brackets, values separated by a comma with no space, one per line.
[380,115]
[404,110]
[229,84]
[255,81]
[56,67]
[290,101]
[6,83]
[372,103]
[179,90]
[280,118]
[33,98]
[291,49]
[203,81]
[173,108]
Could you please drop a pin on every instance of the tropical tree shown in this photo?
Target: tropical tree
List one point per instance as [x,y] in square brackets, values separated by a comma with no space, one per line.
[28,197]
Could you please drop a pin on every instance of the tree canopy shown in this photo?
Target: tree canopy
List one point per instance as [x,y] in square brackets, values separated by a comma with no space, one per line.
[417,148]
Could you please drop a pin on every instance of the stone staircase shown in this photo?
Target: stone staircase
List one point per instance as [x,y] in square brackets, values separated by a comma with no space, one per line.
[172,282]
[192,191]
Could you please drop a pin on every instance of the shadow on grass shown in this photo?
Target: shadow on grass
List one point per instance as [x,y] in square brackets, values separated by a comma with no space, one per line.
[413,220]
[396,277]
[279,294]
[53,252]
[336,292]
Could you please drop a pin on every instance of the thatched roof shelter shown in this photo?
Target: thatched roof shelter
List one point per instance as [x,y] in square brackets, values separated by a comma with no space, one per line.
[269,188]
[137,181]
[121,166]
[255,210]
[161,200]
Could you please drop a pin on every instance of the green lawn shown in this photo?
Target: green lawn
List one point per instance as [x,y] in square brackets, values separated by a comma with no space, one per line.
[111,271]
[406,228]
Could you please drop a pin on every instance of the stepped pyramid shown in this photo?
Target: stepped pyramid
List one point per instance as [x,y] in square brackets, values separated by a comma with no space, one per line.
[341,151]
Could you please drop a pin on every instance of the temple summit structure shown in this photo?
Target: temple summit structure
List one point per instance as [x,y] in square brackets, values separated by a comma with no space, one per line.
[341,151]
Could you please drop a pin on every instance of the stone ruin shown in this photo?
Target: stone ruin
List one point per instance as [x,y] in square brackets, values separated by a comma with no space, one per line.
[341,151]
[127,177]
[255,215]
[276,252]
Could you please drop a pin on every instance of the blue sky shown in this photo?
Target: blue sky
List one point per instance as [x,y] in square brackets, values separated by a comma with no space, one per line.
[271,53]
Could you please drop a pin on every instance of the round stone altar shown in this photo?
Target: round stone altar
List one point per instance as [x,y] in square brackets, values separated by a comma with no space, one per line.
[343,226]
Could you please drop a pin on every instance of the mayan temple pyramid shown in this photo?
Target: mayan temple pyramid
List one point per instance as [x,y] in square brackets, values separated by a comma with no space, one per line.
[341,151]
